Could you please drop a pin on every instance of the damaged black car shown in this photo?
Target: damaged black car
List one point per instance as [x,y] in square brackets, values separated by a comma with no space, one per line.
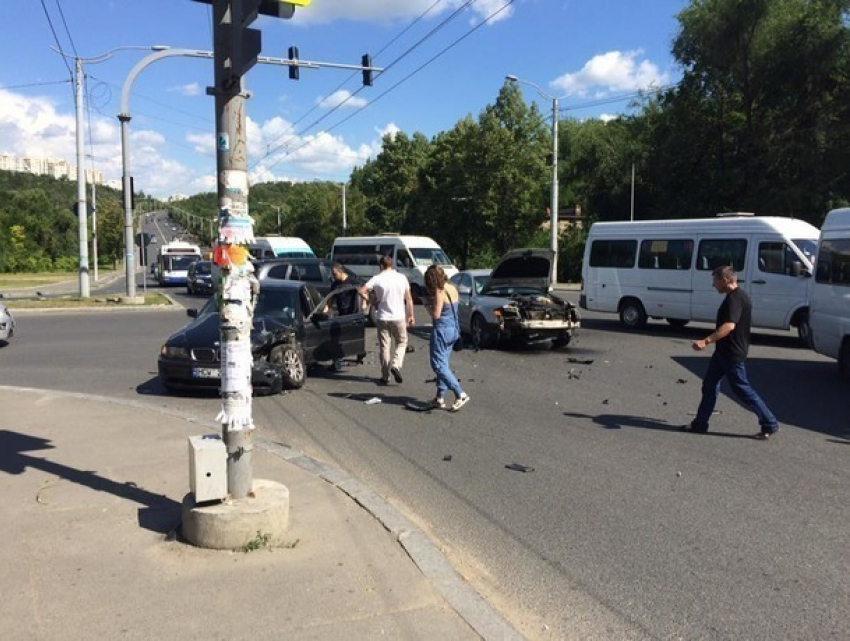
[294,328]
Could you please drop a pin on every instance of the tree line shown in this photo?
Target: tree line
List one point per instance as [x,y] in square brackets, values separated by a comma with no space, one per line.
[760,122]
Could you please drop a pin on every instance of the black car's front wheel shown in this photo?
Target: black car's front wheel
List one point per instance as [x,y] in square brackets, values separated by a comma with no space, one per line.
[291,364]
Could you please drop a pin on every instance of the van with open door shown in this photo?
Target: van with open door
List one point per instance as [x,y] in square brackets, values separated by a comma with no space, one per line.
[662,269]
[829,297]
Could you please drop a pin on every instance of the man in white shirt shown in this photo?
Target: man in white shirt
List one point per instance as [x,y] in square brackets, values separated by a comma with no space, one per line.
[390,293]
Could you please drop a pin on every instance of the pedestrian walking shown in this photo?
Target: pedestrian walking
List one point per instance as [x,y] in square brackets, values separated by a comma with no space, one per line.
[442,305]
[390,293]
[732,339]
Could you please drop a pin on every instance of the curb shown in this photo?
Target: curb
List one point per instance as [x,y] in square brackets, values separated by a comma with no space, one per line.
[458,594]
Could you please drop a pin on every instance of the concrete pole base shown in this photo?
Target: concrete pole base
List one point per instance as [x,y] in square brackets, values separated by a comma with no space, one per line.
[131,300]
[236,523]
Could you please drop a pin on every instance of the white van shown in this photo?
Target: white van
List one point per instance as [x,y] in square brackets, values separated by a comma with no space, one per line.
[280,247]
[829,296]
[412,255]
[662,269]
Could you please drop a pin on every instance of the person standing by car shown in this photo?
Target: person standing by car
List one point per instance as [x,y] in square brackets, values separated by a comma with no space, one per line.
[442,305]
[732,337]
[348,301]
[390,292]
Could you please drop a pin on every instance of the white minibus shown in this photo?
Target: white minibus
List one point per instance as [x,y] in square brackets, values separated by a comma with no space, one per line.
[280,247]
[412,255]
[662,269]
[829,296]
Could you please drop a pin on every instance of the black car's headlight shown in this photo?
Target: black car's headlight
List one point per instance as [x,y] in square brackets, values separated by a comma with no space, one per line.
[172,351]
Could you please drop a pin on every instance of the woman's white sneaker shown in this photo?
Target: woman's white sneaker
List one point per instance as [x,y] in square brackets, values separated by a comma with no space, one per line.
[462,400]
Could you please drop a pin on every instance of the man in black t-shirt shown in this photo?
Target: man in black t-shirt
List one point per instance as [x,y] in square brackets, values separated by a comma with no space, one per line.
[348,301]
[732,335]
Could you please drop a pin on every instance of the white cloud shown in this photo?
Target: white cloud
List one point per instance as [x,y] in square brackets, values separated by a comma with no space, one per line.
[342,98]
[611,72]
[192,89]
[389,11]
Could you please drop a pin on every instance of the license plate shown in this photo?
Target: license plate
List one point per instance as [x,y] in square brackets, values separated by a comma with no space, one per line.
[206,372]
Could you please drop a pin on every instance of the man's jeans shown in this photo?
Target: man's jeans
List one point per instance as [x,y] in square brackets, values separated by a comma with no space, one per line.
[736,374]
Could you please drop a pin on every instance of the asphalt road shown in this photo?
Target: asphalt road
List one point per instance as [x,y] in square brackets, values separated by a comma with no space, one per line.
[625,528]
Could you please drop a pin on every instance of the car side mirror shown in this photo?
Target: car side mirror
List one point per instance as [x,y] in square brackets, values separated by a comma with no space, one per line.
[464,289]
[796,268]
[192,312]
[319,317]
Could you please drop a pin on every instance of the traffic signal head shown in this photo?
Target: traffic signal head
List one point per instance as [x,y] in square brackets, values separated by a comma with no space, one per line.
[366,63]
[294,71]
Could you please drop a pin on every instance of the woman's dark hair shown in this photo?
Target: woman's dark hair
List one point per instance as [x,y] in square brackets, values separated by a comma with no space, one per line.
[435,278]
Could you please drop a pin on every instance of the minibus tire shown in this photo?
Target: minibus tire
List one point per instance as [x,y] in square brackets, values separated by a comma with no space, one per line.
[804,331]
[632,314]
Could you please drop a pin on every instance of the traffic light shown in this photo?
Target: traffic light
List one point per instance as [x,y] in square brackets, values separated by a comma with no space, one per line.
[294,71]
[366,63]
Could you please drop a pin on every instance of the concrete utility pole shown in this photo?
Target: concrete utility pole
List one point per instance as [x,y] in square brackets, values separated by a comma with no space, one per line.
[344,214]
[94,228]
[82,214]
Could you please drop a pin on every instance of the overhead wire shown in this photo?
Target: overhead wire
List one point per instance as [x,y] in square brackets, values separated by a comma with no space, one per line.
[56,37]
[269,149]
[67,31]
[402,81]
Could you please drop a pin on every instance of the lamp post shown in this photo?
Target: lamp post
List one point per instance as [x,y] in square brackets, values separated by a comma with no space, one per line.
[277,208]
[553,215]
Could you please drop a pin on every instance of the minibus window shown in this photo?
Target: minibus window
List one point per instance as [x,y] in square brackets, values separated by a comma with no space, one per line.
[613,253]
[833,264]
[665,254]
[722,252]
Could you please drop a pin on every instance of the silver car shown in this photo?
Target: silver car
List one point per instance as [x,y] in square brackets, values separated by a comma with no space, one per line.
[513,302]
[7,324]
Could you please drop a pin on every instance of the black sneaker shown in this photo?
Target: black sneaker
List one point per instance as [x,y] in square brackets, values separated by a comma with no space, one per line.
[383,381]
[396,372]
[690,427]
[764,435]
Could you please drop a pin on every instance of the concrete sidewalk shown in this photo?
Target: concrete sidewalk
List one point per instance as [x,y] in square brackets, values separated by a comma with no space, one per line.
[90,541]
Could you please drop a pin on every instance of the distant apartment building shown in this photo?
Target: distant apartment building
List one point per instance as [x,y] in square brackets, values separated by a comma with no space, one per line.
[55,167]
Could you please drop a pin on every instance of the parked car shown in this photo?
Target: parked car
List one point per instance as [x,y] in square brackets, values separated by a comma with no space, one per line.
[7,323]
[291,331]
[315,271]
[513,302]
[199,277]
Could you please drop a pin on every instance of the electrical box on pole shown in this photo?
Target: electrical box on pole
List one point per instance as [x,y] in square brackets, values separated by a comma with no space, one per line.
[294,72]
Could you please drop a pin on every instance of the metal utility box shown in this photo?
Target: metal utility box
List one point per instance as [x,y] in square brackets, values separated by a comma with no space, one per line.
[207,468]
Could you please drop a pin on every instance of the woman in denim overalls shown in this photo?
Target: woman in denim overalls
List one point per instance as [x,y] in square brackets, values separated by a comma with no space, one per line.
[443,309]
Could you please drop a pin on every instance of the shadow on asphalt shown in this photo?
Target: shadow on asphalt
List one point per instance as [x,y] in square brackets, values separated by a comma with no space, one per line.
[620,421]
[160,514]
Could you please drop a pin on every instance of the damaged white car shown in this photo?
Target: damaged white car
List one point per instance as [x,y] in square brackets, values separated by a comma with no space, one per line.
[515,303]
[7,324]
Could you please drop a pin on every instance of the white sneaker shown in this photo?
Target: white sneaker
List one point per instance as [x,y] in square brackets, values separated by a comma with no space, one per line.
[462,400]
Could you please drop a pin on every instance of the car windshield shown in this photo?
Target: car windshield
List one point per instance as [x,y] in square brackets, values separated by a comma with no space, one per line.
[808,247]
[425,257]
[178,263]
[202,267]
[278,304]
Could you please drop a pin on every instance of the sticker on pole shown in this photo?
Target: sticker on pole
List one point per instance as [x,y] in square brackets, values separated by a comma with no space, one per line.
[223,142]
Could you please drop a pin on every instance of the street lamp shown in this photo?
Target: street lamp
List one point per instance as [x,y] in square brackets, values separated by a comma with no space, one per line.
[159,52]
[277,207]
[553,215]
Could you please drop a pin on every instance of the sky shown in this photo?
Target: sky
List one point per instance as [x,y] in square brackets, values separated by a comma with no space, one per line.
[442,60]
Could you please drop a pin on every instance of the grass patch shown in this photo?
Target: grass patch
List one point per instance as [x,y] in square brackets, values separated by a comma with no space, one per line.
[23,281]
[257,543]
[71,302]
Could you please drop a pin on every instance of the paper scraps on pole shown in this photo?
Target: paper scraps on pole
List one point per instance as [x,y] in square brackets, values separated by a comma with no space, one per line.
[236,366]
[235,413]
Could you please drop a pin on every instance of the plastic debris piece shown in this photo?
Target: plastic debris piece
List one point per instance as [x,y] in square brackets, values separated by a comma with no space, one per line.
[580,361]
[518,467]
[681,381]
[447,457]
[372,401]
